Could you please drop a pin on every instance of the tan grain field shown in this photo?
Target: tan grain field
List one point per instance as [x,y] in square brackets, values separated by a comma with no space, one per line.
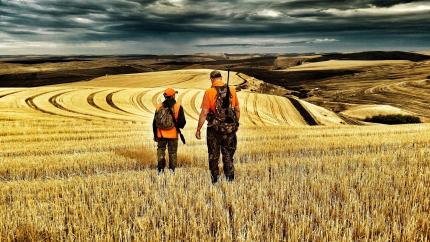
[77,162]
[344,64]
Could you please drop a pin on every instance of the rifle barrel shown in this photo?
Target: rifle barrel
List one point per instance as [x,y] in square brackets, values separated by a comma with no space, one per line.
[228,90]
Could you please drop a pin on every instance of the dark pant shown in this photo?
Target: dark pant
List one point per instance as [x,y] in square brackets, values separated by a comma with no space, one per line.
[224,144]
[172,145]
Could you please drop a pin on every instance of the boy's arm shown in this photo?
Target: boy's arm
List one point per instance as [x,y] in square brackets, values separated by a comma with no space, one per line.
[181,118]
[154,129]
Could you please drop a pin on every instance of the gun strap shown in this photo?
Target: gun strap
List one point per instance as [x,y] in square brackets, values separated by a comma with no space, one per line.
[174,120]
[176,125]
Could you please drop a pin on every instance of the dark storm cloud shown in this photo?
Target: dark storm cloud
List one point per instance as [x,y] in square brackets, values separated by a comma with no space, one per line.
[342,4]
[269,44]
[388,3]
[186,21]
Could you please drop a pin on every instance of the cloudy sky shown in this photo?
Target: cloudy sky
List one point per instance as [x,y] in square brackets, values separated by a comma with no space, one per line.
[195,26]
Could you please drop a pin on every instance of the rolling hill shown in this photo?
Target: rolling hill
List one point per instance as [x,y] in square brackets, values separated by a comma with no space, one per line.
[133,97]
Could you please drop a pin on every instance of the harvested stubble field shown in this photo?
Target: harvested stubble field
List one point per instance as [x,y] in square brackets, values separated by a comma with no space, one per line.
[78,163]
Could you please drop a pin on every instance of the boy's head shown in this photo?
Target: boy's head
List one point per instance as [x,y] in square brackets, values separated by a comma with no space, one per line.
[169,93]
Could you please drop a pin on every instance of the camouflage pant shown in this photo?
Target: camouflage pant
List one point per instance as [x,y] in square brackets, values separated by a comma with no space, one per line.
[225,144]
[172,145]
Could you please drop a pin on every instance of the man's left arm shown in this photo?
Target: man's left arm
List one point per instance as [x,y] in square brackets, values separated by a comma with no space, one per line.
[237,111]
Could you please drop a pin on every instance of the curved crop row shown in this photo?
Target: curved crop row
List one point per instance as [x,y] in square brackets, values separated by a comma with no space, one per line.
[138,105]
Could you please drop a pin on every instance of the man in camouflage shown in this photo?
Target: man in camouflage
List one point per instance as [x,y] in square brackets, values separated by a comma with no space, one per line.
[219,142]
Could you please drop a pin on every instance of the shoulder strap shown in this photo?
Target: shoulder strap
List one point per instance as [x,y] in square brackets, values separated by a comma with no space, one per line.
[176,108]
[158,106]
[217,89]
[176,125]
[173,116]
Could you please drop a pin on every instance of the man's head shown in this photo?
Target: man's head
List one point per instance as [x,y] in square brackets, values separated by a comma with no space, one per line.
[169,93]
[215,75]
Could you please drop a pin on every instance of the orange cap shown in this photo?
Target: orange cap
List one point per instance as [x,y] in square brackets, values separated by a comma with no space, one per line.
[169,92]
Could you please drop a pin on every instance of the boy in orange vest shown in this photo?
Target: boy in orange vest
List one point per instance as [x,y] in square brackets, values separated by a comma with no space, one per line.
[166,129]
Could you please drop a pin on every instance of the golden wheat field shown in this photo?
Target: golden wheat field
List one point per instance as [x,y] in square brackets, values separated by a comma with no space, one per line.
[77,163]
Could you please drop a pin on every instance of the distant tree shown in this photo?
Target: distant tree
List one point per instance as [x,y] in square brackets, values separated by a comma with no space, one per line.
[394,119]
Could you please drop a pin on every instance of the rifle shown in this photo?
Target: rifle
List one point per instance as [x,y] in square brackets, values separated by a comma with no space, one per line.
[176,126]
[226,101]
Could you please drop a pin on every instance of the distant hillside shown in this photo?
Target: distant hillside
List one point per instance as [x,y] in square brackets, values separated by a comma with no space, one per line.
[372,55]
[42,78]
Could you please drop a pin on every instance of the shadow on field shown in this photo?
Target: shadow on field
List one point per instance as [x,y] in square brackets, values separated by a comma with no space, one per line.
[29,232]
[146,157]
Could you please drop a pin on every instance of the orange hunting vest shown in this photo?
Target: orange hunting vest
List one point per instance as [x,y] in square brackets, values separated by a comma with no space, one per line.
[209,99]
[171,133]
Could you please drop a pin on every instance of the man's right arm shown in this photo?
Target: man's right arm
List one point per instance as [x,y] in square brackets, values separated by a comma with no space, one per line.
[203,114]
[202,119]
